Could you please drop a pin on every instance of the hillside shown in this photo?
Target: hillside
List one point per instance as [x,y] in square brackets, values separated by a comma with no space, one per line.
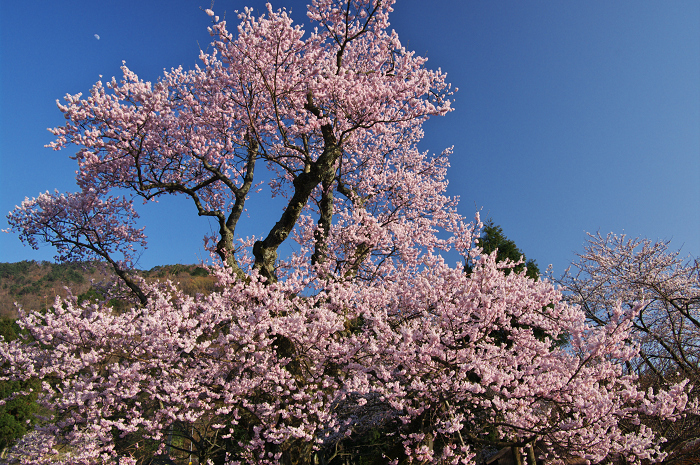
[34,285]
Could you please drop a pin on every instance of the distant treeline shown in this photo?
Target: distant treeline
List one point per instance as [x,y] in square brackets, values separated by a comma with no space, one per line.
[34,285]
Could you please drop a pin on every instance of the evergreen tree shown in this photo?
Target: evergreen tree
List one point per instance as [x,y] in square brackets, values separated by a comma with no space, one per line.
[492,238]
[17,414]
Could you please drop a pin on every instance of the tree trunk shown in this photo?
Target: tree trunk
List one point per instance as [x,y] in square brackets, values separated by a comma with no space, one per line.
[517,456]
[531,458]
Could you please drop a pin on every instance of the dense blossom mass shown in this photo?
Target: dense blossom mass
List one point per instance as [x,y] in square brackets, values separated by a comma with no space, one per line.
[362,346]
[620,271]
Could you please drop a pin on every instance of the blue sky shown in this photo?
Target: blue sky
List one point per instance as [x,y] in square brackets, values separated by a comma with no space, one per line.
[570,116]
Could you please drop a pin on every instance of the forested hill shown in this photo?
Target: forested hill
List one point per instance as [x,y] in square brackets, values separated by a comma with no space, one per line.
[34,285]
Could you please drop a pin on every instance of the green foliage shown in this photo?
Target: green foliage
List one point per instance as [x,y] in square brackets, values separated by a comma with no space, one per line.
[492,238]
[64,273]
[199,272]
[16,277]
[22,278]
[167,271]
[92,295]
[15,270]
[17,414]
[19,272]
[9,329]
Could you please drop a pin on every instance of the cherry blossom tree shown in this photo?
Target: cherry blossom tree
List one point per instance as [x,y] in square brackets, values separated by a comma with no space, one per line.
[327,114]
[363,332]
[617,271]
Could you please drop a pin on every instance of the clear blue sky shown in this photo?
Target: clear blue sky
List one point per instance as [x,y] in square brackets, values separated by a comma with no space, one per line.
[570,116]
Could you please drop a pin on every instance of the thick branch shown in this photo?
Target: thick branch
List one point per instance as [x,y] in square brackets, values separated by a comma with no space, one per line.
[324,221]
[265,251]
[227,229]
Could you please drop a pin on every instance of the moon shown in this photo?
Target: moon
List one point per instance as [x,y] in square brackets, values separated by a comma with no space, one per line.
[97,36]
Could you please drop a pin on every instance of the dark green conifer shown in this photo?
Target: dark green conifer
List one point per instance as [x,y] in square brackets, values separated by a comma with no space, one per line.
[16,415]
[492,238]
